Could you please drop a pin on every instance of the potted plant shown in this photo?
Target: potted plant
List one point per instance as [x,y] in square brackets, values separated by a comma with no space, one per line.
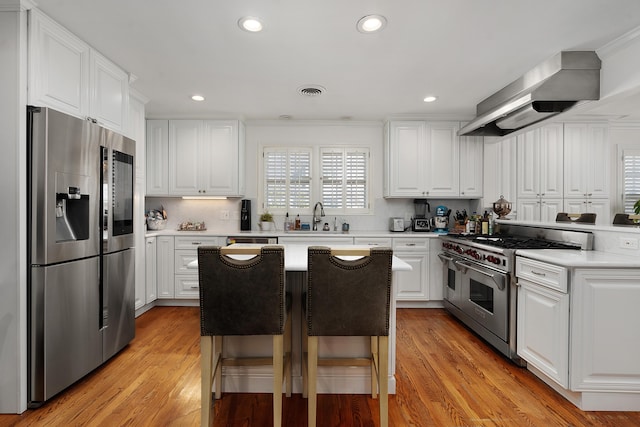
[265,221]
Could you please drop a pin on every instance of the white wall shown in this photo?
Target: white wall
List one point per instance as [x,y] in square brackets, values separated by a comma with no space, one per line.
[13,224]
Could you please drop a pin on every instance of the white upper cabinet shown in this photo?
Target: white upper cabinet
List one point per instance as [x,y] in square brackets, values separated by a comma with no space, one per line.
[540,165]
[58,67]
[195,158]
[405,150]
[443,160]
[500,171]
[471,162]
[586,165]
[423,159]
[109,96]
[69,76]
[157,155]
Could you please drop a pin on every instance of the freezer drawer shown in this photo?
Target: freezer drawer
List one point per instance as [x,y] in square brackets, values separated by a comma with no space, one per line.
[119,301]
[65,337]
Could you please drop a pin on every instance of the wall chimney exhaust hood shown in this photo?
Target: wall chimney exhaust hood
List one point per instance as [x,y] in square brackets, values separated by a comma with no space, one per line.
[554,86]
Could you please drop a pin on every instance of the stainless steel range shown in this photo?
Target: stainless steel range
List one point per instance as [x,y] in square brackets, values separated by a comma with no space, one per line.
[479,277]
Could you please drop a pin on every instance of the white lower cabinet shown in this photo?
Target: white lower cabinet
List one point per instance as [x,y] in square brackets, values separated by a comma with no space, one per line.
[151,274]
[164,269]
[436,281]
[186,251]
[412,285]
[605,334]
[315,241]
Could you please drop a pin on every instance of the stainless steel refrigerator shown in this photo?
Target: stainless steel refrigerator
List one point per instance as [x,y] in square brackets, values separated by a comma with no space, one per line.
[80,248]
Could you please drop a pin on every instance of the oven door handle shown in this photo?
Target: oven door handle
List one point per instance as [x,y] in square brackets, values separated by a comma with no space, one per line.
[445,258]
[499,280]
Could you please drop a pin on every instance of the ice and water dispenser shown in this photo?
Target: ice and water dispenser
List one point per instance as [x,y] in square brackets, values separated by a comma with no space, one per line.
[72,208]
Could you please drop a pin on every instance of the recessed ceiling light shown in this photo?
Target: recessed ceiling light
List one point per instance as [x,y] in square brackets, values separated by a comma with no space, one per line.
[197,98]
[371,23]
[251,24]
[430,98]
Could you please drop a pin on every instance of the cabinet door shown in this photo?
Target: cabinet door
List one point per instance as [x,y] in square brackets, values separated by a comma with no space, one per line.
[528,154]
[58,67]
[405,159]
[602,209]
[109,97]
[471,166]
[219,158]
[549,209]
[576,163]
[413,285]
[184,157]
[605,347]
[165,263]
[157,155]
[529,210]
[500,171]
[551,161]
[151,278]
[597,167]
[443,159]
[543,330]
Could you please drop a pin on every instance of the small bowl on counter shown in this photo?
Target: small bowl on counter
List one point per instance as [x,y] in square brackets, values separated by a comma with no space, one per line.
[156,224]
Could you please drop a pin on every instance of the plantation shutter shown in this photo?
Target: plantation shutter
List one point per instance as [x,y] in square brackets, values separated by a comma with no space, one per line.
[344,181]
[287,179]
[631,180]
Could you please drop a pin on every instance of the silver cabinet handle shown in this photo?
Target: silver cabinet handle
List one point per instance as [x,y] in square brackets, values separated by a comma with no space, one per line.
[537,273]
[194,287]
[196,243]
[410,244]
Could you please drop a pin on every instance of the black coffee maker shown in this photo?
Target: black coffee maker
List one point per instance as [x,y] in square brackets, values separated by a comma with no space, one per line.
[245,215]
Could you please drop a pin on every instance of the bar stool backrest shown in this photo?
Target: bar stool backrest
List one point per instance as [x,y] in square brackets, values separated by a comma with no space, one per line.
[241,296]
[348,297]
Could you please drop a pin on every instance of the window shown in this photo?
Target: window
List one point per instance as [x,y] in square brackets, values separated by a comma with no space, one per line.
[341,183]
[344,180]
[630,178]
[287,179]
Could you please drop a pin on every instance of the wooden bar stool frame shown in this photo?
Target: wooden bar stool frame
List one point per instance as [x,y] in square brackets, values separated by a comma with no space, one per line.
[212,358]
[378,361]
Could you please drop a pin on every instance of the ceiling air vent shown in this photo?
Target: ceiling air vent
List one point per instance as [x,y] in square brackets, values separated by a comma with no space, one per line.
[311,90]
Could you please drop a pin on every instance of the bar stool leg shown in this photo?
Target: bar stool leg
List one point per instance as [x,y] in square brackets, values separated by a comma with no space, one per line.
[287,352]
[206,380]
[278,368]
[312,378]
[383,379]
[217,360]
[374,367]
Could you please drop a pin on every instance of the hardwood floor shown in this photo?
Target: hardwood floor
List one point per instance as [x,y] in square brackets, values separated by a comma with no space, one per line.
[446,376]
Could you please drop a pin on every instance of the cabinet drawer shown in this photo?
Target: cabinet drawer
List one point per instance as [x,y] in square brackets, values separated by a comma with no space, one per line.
[182,258]
[191,242]
[373,241]
[552,276]
[411,244]
[187,286]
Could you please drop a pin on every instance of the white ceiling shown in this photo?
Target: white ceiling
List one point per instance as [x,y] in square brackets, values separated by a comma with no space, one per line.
[460,50]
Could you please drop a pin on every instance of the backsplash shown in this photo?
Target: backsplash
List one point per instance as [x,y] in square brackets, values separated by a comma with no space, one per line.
[215,212]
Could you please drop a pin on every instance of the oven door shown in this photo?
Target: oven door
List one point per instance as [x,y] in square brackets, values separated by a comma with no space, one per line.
[485,296]
[451,277]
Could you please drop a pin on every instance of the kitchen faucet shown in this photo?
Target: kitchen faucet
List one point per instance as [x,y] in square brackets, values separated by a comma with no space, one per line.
[317,219]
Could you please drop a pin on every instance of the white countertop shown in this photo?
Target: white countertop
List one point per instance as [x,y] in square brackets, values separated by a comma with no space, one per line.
[277,233]
[580,259]
[295,257]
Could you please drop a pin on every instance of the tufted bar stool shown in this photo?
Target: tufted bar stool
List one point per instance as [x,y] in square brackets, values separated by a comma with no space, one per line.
[348,294]
[242,292]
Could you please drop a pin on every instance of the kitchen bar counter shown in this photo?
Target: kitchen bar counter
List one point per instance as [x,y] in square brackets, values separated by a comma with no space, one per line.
[331,379]
[280,233]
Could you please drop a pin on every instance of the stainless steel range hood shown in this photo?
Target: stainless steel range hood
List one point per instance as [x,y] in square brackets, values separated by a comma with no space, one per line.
[552,87]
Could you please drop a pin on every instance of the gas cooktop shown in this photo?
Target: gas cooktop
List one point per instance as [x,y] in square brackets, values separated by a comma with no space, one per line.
[516,242]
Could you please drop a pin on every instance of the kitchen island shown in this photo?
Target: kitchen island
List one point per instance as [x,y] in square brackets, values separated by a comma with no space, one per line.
[331,379]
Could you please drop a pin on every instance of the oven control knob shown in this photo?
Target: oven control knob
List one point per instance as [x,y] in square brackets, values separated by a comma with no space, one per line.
[476,255]
[458,249]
